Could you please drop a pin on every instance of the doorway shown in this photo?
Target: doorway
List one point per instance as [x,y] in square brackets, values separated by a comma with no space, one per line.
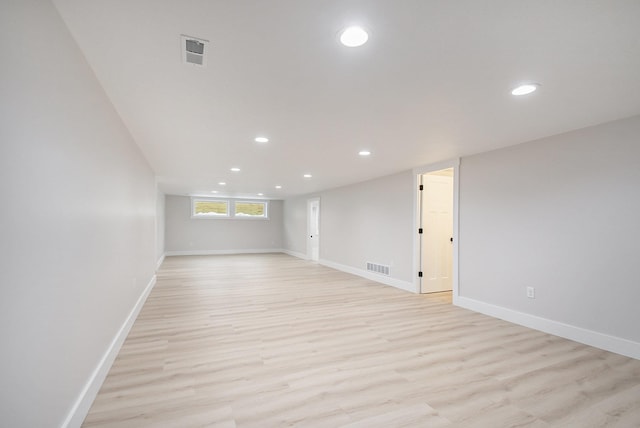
[313,229]
[436,221]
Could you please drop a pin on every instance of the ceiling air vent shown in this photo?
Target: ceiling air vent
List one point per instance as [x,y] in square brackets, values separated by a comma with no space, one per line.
[193,51]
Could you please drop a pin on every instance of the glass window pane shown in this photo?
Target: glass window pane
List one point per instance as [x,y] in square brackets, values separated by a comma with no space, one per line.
[210,208]
[250,209]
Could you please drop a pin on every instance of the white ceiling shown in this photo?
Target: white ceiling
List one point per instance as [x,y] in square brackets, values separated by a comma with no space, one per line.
[432,83]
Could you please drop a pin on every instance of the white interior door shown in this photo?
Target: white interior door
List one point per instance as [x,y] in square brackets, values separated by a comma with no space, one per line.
[437,232]
[313,229]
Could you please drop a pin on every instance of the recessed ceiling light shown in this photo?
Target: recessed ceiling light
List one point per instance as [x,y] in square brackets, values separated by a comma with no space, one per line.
[234,169]
[353,37]
[364,152]
[260,194]
[278,187]
[525,89]
[261,140]
[214,191]
[222,183]
[307,176]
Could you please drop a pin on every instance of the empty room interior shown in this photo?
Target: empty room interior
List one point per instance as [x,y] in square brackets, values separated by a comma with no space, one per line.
[299,213]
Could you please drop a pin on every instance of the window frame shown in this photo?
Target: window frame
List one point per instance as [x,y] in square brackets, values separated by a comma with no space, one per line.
[251,217]
[194,201]
[231,209]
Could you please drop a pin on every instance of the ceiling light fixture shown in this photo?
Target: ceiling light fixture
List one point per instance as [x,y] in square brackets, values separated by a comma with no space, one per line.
[278,187]
[525,89]
[261,140]
[214,191]
[234,169]
[307,176]
[222,183]
[353,37]
[364,152]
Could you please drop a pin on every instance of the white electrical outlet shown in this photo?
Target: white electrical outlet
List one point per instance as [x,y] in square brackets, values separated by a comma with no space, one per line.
[531,292]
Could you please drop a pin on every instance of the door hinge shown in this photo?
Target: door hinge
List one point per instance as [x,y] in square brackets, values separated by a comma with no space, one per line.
[420,230]
[421,187]
[419,274]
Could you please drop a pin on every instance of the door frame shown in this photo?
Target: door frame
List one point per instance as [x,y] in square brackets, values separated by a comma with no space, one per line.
[308,239]
[417,172]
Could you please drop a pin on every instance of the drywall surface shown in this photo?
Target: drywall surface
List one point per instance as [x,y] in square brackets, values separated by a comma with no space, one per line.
[560,215]
[370,222]
[160,224]
[364,222]
[77,220]
[186,235]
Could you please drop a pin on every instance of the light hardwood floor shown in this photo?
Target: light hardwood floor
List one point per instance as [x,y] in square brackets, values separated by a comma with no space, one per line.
[274,341]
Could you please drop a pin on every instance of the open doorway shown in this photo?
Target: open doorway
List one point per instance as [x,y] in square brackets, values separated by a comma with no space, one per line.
[444,249]
[313,229]
[436,231]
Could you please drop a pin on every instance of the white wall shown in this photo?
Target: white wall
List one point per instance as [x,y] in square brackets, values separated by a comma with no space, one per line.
[160,226]
[561,215]
[364,222]
[186,235]
[76,224]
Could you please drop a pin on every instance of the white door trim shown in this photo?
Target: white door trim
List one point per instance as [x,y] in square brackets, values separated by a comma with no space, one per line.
[455,164]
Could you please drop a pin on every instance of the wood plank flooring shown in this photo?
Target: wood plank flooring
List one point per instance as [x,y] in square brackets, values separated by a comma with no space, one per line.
[274,341]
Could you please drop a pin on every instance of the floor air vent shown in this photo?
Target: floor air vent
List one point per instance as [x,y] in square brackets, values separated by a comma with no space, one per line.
[376,268]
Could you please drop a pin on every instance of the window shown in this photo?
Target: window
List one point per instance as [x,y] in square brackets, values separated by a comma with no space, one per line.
[209,208]
[229,209]
[251,209]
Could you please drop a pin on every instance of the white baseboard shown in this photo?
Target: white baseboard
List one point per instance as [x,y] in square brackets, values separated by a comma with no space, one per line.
[85,399]
[296,254]
[221,252]
[393,282]
[160,260]
[588,337]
